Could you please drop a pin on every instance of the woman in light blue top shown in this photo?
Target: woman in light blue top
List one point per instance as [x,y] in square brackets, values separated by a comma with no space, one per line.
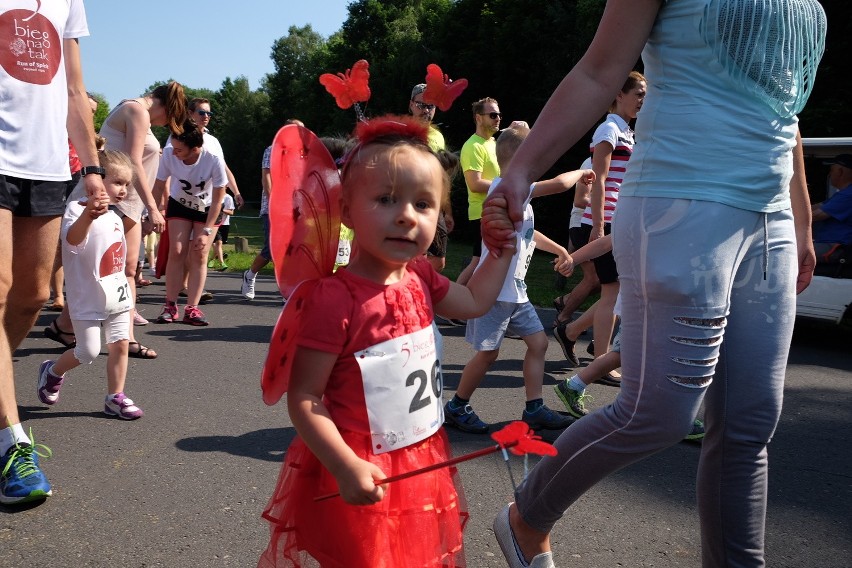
[712,240]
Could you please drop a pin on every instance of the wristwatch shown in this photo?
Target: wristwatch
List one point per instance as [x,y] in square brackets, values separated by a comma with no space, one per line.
[93,170]
[207,231]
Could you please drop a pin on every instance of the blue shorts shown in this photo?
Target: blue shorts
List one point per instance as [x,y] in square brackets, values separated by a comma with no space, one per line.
[486,333]
[265,252]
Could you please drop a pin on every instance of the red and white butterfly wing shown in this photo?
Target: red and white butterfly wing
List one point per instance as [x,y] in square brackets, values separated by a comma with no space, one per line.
[304,208]
[304,219]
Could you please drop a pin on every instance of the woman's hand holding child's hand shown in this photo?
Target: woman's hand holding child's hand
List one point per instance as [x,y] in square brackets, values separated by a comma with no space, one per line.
[357,483]
[496,224]
[588,177]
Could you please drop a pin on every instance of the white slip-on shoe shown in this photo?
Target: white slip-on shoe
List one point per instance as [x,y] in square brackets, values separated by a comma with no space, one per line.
[506,540]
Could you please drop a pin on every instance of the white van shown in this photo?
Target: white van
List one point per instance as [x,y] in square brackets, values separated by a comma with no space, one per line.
[828,298]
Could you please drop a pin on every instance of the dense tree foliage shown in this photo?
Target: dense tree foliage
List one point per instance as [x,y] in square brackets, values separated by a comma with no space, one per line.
[516,51]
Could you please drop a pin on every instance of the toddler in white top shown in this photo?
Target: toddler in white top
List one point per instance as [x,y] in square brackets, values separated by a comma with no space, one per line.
[98,295]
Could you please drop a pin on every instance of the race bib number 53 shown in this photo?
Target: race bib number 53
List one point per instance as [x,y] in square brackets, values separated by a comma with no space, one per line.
[402,387]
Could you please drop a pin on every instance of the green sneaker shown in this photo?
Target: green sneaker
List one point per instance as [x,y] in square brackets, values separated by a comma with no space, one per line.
[697,432]
[574,401]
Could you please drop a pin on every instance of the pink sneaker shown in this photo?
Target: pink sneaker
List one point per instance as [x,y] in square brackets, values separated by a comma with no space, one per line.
[193,316]
[48,384]
[121,406]
[138,319]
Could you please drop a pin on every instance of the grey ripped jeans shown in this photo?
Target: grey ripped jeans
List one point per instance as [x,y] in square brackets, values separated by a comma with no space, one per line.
[708,296]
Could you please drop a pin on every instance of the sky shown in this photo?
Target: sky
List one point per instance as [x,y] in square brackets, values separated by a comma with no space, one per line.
[134,45]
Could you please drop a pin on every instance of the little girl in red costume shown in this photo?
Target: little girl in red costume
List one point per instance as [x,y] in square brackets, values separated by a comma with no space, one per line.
[365,388]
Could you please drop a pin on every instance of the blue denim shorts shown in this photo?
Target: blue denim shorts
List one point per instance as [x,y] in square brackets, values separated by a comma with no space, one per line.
[486,333]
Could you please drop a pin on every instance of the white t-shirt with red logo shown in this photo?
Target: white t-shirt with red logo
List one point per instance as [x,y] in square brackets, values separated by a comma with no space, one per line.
[33,86]
[94,269]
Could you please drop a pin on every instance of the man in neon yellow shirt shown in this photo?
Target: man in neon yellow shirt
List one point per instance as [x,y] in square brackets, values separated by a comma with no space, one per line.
[479,164]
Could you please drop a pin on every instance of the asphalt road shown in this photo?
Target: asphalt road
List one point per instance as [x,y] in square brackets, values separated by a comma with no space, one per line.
[186,484]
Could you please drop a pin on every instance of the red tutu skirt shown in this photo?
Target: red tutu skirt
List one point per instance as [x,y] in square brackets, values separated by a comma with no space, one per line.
[418,523]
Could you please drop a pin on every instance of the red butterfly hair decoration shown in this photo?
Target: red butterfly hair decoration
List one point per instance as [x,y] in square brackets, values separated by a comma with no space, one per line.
[351,87]
[440,89]
[400,125]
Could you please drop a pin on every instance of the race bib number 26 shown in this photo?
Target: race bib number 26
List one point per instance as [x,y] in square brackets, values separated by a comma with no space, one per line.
[402,387]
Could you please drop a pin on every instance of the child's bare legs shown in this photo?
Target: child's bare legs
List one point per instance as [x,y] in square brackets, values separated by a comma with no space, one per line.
[57,278]
[534,364]
[474,372]
[574,329]
[609,361]
[116,366]
[457,411]
[604,320]
[66,362]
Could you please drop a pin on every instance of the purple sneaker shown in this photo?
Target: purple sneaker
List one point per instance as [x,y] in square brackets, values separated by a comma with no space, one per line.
[121,406]
[48,384]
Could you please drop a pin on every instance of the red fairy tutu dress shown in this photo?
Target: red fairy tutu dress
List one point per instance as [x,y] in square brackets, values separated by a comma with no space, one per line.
[384,395]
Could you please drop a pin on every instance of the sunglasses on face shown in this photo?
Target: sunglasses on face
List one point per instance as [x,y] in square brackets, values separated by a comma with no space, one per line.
[424,106]
[492,115]
[204,112]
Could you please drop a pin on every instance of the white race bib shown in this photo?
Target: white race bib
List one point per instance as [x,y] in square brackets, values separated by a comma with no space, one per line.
[524,259]
[117,292]
[402,386]
[344,251]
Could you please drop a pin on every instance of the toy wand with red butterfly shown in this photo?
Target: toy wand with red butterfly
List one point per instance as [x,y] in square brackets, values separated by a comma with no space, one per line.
[515,437]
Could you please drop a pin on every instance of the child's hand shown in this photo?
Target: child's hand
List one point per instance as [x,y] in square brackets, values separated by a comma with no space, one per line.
[357,483]
[496,222]
[588,177]
[97,205]
[563,264]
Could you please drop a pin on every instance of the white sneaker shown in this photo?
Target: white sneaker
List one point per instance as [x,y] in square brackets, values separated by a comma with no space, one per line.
[506,540]
[247,287]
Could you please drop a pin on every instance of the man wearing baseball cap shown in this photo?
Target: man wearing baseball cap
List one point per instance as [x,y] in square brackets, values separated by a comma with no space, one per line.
[832,219]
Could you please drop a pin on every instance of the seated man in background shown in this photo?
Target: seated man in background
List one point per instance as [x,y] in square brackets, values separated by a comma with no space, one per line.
[832,219]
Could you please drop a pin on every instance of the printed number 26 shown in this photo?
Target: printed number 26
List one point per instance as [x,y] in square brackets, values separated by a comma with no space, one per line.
[421,397]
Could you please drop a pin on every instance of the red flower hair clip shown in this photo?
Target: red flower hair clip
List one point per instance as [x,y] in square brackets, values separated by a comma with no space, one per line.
[441,91]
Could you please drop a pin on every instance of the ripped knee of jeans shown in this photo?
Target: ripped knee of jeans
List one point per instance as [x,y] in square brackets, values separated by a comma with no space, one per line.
[698,348]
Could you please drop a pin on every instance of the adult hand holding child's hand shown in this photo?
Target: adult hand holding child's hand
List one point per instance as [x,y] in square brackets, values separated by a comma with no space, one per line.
[498,228]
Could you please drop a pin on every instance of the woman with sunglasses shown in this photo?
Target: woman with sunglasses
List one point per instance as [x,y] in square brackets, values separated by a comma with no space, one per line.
[200,110]
[713,240]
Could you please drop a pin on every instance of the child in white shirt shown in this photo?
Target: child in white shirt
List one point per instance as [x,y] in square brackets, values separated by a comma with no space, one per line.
[98,295]
[513,312]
